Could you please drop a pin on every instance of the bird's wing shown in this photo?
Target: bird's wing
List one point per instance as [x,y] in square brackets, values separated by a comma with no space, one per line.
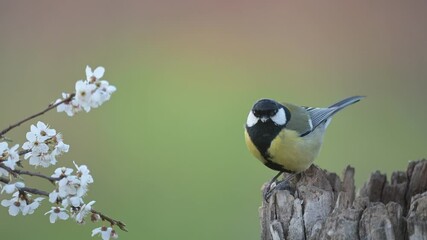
[300,119]
[320,115]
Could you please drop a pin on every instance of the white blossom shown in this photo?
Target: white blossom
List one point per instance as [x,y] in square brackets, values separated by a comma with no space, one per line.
[8,156]
[34,144]
[62,172]
[84,175]
[60,148]
[83,212]
[102,93]
[10,188]
[15,205]
[57,212]
[103,89]
[70,108]
[105,232]
[93,76]
[44,145]
[30,208]
[89,93]
[42,159]
[53,196]
[68,186]
[75,201]
[83,94]
[71,188]
[42,131]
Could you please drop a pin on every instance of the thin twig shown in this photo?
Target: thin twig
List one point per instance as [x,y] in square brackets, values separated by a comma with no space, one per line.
[50,107]
[34,191]
[4,180]
[9,170]
[104,217]
[120,224]
[23,152]
[17,172]
[33,174]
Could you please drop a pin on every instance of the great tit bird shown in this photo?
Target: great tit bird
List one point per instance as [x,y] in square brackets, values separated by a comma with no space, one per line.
[286,137]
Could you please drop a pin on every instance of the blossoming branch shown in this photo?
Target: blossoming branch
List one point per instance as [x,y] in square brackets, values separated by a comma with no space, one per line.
[43,147]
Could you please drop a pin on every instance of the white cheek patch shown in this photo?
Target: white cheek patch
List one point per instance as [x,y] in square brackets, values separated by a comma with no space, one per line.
[280,117]
[252,120]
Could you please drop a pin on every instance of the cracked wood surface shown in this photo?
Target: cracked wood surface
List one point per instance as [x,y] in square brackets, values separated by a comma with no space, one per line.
[326,207]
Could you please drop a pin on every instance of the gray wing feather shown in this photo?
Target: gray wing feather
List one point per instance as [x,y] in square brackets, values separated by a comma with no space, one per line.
[319,115]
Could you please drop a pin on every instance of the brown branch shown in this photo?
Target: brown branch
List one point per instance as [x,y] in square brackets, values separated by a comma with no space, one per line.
[9,170]
[4,180]
[33,174]
[17,172]
[50,107]
[34,191]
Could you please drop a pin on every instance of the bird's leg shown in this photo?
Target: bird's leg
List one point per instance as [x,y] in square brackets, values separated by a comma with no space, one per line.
[285,184]
[274,179]
[268,189]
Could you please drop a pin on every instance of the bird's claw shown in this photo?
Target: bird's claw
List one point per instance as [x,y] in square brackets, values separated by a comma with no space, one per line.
[281,185]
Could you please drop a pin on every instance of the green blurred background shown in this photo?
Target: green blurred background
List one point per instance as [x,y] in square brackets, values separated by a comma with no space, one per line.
[167,152]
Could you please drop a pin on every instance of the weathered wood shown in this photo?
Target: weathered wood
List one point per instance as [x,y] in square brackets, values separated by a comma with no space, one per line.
[374,187]
[395,191]
[375,223]
[417,217]
[324,207]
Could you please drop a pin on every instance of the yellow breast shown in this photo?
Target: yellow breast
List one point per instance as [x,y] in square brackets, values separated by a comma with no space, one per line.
[289,150]
[252,148]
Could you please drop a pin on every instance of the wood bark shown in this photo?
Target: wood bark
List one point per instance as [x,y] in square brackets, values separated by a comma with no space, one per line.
[325,207]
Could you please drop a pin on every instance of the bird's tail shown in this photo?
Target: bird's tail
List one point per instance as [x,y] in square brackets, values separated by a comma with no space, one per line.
[346,102]
[323,115]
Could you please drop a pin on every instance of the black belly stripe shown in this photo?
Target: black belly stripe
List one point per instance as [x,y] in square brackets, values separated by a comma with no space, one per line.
[262,134]
[277,167]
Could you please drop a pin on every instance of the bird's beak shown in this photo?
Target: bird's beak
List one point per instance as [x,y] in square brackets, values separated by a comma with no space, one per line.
[264,119]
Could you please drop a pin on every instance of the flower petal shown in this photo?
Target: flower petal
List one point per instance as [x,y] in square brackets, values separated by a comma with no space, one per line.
[53,217]
[96,231]
[63,215]
[99,72]
[13,210]
[6,203]
[3,146]
[41,125]
[31,136]
[89,72]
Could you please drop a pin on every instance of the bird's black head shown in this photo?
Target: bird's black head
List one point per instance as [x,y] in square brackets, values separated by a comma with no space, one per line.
[265,108]
[267,111]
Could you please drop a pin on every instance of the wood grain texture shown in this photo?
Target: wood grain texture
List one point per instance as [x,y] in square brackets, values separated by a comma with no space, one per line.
[325,207]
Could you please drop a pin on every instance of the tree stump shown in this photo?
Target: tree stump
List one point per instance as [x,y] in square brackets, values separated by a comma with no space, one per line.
[324,207]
